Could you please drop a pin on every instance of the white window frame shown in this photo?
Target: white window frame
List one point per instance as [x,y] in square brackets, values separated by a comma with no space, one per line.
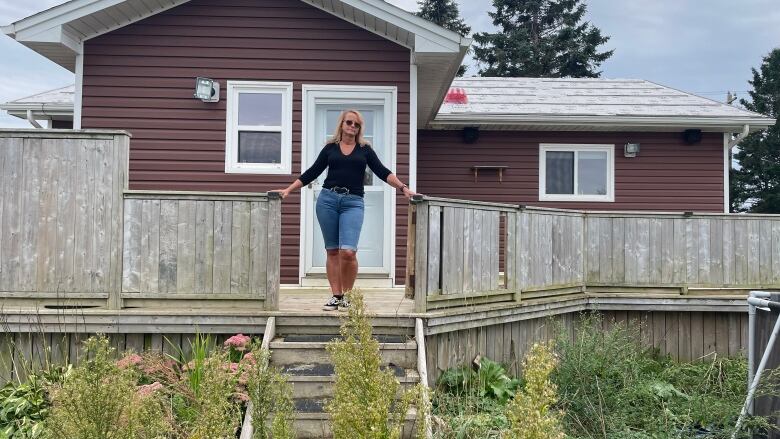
[576,149]
[232,166]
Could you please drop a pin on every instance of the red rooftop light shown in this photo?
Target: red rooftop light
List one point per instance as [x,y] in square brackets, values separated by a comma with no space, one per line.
[456,95]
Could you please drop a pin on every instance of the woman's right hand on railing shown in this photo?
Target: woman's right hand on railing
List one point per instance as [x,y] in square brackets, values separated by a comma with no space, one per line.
[282,192]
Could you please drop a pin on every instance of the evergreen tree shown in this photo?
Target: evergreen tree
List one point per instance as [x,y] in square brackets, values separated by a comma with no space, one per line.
[755,187]
[445,13]
[540,38]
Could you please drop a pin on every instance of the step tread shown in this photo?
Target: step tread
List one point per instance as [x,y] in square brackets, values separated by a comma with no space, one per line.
[324,338]
[326,372]
[314,408]
[282,344]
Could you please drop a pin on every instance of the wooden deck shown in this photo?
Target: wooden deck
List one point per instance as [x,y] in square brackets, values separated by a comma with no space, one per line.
[382,302]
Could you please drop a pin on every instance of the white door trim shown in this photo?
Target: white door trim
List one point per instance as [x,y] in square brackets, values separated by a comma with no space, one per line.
[337,94]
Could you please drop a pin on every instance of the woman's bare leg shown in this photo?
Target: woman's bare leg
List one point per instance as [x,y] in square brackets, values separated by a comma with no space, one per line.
[349,268]
[333,270]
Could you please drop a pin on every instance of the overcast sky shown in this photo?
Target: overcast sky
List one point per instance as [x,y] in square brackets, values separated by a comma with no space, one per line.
[702,46]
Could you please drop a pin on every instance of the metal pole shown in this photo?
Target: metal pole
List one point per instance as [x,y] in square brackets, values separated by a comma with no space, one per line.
[767,352]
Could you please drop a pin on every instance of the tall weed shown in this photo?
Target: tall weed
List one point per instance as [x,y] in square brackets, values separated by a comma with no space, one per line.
[271,395]
[98,400]
[365,403]
[531,413]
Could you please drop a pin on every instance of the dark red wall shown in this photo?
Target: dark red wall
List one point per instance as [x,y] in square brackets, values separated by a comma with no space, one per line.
[141,78]
[668,175]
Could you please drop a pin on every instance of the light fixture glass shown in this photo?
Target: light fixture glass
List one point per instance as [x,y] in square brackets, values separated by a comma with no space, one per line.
[206,89]
[631,150]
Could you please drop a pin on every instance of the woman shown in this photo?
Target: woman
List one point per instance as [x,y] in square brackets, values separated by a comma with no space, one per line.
[340,204]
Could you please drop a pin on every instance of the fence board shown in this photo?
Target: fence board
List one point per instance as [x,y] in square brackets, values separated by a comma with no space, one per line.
[434,250]
[204,248]
[169,237]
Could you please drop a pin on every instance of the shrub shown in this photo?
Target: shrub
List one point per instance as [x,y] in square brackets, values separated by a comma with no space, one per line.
[218,412]
[489,380]
[270,392]
[98,400]
[611,386]
[530,413]
[364,403]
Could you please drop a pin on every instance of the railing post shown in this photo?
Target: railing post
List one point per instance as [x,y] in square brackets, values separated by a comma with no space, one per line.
[420,275]
[274,250]
[411,224]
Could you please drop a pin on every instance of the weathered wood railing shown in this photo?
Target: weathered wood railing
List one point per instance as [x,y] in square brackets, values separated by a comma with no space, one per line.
[201,247]
[61,215]
[71,234]
[453,255]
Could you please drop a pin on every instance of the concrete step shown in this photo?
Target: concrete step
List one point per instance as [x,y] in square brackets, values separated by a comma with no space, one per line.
[285,353]
[312,380]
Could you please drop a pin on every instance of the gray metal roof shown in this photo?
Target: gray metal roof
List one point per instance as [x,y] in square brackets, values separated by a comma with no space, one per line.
[52,104]
[618,102]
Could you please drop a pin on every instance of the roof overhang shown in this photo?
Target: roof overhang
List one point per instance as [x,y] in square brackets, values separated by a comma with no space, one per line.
[40,111]
[58,34]
[597,123]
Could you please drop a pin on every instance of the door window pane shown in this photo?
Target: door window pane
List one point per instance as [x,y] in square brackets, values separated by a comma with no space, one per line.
[559,172]
[592,173]
[259,147]
[260,109]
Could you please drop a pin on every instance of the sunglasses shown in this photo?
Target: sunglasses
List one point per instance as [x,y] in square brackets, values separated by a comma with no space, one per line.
[352,122]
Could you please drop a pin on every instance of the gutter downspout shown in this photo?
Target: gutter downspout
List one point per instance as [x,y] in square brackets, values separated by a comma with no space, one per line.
[733,142]
[32,120]
[728,144]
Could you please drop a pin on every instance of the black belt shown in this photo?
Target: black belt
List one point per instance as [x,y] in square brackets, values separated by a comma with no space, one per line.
[339,190]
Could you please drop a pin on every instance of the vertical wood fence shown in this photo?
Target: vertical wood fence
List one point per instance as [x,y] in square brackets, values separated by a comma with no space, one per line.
[453,243]
[201,246]
[72,235]
[61,215]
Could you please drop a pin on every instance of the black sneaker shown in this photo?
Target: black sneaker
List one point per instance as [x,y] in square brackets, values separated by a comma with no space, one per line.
[343,304]
[332,304]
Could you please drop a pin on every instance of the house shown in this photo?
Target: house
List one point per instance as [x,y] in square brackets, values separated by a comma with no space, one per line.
[286,68]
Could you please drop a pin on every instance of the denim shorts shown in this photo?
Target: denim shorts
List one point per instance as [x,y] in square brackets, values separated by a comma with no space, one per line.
[341,218]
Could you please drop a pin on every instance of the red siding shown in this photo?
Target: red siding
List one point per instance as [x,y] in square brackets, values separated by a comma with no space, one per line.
[668,175]
[141,78]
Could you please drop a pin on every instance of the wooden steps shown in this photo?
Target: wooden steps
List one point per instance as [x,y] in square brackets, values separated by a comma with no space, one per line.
[304,358]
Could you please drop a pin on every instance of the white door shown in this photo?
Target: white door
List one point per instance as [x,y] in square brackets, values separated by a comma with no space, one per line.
[322,107]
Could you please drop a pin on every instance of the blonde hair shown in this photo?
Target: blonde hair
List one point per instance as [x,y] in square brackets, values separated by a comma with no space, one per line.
[339,128]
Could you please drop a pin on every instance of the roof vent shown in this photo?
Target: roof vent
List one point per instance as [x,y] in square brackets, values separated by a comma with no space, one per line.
[456,95]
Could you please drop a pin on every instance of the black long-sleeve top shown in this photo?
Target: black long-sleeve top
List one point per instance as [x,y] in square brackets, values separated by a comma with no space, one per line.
[345,170]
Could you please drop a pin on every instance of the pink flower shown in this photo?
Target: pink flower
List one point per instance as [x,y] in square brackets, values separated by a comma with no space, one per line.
[249,359]
[129,361]
[238,341]
[233,367]
[243,397]
[148,389]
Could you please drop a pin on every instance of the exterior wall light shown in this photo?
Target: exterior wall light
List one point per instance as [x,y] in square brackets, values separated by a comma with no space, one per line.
[631,150]
[207,90]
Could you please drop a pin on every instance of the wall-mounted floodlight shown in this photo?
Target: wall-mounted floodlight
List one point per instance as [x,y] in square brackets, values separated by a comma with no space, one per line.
[631,150]
[207,90]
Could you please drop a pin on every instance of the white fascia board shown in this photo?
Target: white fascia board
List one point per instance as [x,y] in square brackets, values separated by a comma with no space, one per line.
[58,15]
[406,20]
[56,35]
[612,121]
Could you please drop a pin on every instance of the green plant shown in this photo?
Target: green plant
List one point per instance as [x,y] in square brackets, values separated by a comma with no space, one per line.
[489,380]
[24,406]
[200,347]
[531,414]
[365,403]
[98,400]
[610,386]
[218,413]
[270,392]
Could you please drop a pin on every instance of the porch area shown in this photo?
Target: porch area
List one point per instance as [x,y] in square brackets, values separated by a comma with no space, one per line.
[81,254]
